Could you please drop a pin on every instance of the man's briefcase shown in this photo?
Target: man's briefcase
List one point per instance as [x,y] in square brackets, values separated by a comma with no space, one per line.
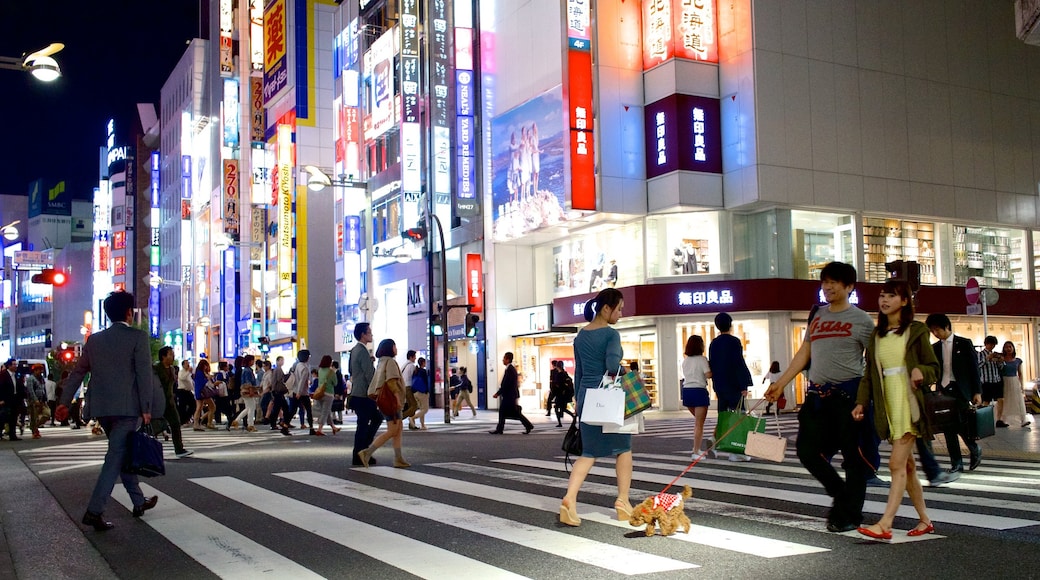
[979,422]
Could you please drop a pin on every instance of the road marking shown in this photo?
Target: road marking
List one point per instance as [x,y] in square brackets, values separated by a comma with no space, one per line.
[936,515]
[412,556]
[225,552]
[713,537]
[599,554]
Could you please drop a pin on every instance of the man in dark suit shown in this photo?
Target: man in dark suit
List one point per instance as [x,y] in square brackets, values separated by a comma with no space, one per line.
[9,399]
[121,394]
[959,379]
[509,393]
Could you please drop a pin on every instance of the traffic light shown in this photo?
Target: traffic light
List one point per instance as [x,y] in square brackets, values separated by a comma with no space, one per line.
[436,326]
[471,325]
[416,234]
[50,276]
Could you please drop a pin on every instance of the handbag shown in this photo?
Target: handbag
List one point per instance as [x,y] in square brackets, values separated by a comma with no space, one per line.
[766,446]
[732,428]
[572,439]
[209,391]
[941,411]
[633,426]
[318,394]
[637,398]
[144,456]
[603,407]
[979,422]
[386,401]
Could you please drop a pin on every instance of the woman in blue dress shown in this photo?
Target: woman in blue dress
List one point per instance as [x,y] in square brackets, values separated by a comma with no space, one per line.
[597,350]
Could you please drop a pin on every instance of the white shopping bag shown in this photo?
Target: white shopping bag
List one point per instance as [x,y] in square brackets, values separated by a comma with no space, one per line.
[604,407]
[633,425]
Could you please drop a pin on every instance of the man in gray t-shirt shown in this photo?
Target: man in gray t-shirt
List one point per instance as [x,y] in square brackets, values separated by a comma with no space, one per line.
[835,339]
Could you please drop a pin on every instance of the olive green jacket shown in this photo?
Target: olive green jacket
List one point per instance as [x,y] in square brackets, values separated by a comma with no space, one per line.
[919,355]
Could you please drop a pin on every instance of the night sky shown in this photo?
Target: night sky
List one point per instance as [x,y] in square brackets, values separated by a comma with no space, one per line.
[117,53]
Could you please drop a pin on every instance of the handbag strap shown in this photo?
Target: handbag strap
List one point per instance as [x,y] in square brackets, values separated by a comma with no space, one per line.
[712,446]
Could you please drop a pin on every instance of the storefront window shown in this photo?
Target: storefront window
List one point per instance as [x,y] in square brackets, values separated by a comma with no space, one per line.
[819,238]
[683,244]
[993,255]
[885,240]
[607,256]
[753,334]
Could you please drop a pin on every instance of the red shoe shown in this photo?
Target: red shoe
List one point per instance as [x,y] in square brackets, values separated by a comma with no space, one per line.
[916,532]
[872,534]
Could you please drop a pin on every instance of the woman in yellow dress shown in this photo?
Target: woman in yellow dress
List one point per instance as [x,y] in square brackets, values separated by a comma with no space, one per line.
[899,363]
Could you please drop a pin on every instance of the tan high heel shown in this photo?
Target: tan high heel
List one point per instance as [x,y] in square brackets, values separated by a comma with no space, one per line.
[569,516]
[624,510]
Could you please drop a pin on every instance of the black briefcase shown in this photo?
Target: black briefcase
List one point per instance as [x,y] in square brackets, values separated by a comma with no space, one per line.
[979,422]
[941,411]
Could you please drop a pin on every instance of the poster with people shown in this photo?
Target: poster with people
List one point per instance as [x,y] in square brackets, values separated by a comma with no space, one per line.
[528,149]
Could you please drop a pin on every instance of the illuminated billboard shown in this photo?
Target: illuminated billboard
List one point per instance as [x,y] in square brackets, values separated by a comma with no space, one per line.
[683,132]
[681,29]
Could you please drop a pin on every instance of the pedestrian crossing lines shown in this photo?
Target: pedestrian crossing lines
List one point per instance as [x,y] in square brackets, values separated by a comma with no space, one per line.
[91,453]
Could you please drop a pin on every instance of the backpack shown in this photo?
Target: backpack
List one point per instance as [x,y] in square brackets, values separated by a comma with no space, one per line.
[290,379]
[341,385]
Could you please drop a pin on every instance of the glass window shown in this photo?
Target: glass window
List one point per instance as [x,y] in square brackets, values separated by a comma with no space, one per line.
[817,239]
[993,255]
[683,244]
[603,256]
[885,240]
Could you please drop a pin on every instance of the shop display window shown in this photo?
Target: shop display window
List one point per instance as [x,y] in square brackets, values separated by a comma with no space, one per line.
[606,256]
[683,244]
[1036,260]
[753,334]
[817,239]
[993,255]
[885,240]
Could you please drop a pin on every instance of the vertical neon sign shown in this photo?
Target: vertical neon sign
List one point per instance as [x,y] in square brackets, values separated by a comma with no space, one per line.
[579,83]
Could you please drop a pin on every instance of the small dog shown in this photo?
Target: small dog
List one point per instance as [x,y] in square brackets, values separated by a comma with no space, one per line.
[665,510]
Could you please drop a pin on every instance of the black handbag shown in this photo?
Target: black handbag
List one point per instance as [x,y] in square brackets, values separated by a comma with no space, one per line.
[942,411]
[144,454]
[572,441]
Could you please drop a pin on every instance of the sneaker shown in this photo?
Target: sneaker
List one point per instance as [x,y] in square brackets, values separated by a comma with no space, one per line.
[184,453]
[876,482]
[738,457]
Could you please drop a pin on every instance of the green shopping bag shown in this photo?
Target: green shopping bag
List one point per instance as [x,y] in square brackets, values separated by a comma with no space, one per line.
[733,427]
[637,399]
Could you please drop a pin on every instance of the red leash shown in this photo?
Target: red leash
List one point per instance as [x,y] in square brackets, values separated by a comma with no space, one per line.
[710,447]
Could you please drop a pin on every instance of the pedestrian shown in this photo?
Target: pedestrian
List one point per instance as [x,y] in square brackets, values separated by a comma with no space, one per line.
[696,372]
[509,395]
[1014,408]
[326,377]
[835,339]
[361,373]
[465,390]
[730,375]
[771,377]
[421,388]
[36,390]
[52,397]
[249,392]
[899,362]
[9,399]
[990,362]
[597,352]
[301,400]
[167,375]
[266,384]
[958,378]
[411,405]
[453,389]
[185,392]
[121,396]
[562,392]
[342,391]
[203,396]
[388,374]
[553,370]
[279,404]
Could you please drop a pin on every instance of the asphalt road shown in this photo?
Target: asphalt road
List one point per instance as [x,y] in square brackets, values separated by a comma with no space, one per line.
[475,505]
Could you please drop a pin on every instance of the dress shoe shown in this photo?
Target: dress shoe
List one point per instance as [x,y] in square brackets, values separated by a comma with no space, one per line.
[976,459]
[528,430]
[148,504]
[839,528]
[1002,424]
[401,463]
[97,522]
[943,478]
[929,529]
[184,453]
[495,432]
[15,438]
[883,535]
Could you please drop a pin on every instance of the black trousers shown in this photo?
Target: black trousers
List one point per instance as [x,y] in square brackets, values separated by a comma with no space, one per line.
[825,426]
[960,429]
[512,412]
[368,421]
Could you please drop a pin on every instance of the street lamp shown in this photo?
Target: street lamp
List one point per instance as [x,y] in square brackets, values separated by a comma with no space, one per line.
[10,232]
[39,64]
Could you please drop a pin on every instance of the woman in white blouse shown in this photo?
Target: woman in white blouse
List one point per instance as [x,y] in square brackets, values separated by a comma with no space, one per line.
[696,373]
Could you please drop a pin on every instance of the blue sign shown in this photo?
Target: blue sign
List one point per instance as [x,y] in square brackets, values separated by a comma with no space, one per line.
[53,201]
[464,92]
[352,234]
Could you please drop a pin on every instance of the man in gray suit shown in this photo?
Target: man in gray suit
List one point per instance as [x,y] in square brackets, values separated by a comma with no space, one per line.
[120,394]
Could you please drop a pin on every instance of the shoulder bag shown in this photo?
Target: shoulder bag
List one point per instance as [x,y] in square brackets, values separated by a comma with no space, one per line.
[386,401]
[766,446]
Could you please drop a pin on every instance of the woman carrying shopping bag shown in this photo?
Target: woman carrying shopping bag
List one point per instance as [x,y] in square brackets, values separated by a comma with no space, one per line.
[597,351]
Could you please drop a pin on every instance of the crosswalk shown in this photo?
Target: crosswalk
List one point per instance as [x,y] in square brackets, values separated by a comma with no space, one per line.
[438,513]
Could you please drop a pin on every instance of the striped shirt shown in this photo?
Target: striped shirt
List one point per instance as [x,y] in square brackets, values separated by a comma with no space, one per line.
[989,371]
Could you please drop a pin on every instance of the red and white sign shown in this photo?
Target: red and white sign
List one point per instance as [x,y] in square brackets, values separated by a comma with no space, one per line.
[474,282]
[685,29]
[579,103]
[971,291]
[231,181]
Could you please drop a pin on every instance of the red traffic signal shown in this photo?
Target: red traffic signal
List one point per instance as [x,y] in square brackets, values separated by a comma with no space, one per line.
[50,276]
[416,234]
[67,355]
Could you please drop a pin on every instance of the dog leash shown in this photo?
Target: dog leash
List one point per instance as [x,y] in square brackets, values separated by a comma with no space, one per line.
[747,414]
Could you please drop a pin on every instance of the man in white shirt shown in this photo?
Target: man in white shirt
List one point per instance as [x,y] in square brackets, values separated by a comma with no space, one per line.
[410,405]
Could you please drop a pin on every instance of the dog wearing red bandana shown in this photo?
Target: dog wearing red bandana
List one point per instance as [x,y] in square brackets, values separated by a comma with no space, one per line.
[665,510]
